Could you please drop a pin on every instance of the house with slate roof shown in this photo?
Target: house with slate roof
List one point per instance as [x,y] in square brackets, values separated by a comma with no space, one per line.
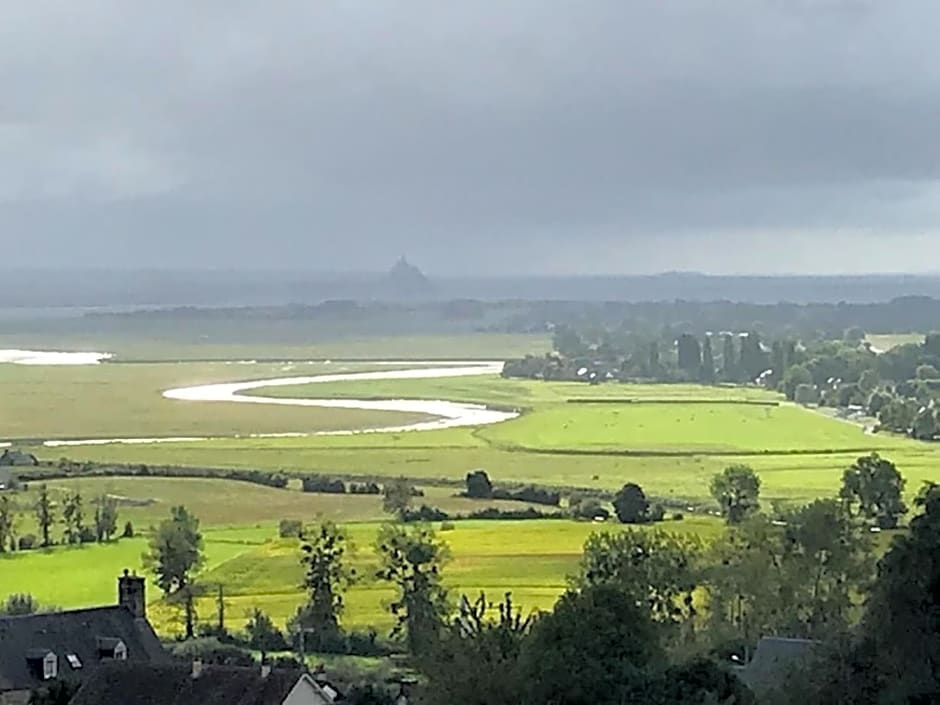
[195,684]
[774,660]
[38,650]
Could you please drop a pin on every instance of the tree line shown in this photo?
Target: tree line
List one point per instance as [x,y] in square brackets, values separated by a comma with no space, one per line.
[70,515]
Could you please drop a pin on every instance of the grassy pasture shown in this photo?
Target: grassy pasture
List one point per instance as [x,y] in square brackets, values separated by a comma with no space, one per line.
[261,340]
[531,559]
[125,400]
[884,342]
[231,504]
[792,477]
[681,429]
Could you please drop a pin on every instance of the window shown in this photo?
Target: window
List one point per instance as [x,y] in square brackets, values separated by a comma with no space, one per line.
[74,661]
[120,651]
[50,666]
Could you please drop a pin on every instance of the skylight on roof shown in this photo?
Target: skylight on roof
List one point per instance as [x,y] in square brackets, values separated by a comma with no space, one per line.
[74,661]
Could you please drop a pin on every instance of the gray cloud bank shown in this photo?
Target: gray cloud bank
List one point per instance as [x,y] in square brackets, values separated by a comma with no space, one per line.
[488,136]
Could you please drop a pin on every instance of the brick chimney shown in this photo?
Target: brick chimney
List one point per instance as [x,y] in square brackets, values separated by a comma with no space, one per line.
[131,594]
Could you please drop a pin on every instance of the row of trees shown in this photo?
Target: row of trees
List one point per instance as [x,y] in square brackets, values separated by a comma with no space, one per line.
[901,387]
[77,527]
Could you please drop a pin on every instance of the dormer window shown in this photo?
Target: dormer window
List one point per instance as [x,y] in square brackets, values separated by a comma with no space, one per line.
[43,662]
[74,661]
[50,666]
[112,647]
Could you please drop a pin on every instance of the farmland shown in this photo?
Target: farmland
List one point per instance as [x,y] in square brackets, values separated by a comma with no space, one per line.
[671,439]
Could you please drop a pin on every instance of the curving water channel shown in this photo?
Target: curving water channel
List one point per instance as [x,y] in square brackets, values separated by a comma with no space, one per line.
[447,414]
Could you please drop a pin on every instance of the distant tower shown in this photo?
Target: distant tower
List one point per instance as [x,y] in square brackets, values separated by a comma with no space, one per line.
[131,594]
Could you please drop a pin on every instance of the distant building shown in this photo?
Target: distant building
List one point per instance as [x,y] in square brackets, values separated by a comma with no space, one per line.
[773,661]
[16,457]
[406,279]
[37,650]
[195,684]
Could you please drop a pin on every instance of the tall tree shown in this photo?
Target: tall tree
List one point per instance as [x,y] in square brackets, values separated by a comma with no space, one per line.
[745,580]
[654,366]
[736,490]
[753,358]
[708,362]
[106,518]
[412,559]
[73,516]
[397,496]
[45,515]
[659,569]
[689,354]
[596,646]
[175,551]
[8,522]
[778,359]
[326,578]
[729,362]
[872,489]
[826,558]
[893,655]
[795,376]
[478,644]
[631,504]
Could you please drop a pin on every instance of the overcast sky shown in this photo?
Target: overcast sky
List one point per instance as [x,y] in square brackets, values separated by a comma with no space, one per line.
[483,136]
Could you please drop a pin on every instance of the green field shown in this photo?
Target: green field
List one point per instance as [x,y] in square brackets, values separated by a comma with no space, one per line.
[671,439]
[885,342]
[531,559]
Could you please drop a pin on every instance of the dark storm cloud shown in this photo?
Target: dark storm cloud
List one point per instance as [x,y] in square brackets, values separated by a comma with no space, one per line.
[564,135]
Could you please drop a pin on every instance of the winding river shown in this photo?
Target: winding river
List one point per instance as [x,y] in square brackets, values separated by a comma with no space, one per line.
[446,414]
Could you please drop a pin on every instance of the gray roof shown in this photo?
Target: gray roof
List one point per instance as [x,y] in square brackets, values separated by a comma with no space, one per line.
[774,659]
[73,632]
[17,457]
[141,684]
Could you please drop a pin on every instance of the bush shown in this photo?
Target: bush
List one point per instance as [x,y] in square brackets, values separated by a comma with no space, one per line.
[531,494]
[479,485]
[589,509]
[128,532]
[212,651]
[290,528]
[87,535]
[263,635]
[424,513]
[447,526]
[26,542]
[67,468]
[325,485]
[19,604]
[678,516]
[515,514]
[364,488]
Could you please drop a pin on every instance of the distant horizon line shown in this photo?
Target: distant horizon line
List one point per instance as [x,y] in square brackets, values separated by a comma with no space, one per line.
[5,269]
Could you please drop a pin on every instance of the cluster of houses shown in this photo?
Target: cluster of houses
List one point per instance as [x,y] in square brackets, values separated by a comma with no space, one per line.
[114,657]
